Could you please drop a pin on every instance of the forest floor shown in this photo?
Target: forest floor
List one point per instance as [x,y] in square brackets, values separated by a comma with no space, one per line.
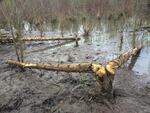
[40,91]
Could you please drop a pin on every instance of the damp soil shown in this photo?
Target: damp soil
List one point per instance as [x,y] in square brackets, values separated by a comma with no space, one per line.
[40,91]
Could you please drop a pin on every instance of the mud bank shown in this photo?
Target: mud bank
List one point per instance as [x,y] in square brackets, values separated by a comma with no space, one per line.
[40,91]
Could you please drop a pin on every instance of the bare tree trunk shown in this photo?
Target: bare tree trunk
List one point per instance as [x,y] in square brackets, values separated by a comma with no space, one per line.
[14,42]
[20,45]
[82,67]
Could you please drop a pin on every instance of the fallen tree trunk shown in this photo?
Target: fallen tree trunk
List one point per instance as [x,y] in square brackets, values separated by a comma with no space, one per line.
[104,74]
[113,65]
[106,77]
[10,40]
[83,67]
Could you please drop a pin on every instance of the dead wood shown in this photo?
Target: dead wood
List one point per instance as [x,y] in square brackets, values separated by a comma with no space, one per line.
[113,65]
[78,67]
[36,39]
[104,74]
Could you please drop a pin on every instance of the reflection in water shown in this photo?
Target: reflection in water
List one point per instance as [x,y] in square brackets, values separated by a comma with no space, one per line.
[133,39]
[149,68]
[142,64]
[121,42]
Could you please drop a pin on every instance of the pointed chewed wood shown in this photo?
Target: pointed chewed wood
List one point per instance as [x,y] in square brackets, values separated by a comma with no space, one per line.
[114,64]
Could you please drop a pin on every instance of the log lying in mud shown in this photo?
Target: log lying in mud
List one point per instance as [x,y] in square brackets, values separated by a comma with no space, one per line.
[106,78]
[10,40]
[113,65]
[104,73]
[83,67]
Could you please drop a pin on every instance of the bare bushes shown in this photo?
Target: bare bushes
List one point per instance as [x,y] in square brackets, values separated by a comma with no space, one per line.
[87,27]
[14,19]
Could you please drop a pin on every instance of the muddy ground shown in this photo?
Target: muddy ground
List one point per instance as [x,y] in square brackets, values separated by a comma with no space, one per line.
[40,91]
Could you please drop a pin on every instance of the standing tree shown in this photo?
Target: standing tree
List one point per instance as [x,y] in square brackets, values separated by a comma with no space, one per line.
[14,18]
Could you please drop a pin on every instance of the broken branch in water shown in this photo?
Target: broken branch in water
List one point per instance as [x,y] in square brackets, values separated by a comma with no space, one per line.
[105,74]
[10,40]
[113,65]
[49,47]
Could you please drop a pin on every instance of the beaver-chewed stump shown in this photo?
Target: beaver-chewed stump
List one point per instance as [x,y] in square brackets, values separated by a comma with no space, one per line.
[104,73]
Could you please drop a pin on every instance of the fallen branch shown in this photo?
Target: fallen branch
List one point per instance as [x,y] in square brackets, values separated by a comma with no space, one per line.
[113,65]
[49,47]
[142,29]
[10,40]
[105,74]
[83,67]
[106,78]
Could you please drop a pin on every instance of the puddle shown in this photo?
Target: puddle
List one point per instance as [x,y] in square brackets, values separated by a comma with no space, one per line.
[142,66]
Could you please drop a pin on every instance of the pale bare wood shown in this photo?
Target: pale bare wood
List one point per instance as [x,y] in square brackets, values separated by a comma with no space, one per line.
[106,74]
[114,64]
[76,67]
[28,39]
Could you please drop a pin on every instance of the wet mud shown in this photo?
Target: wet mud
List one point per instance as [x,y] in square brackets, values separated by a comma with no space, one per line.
[40,91]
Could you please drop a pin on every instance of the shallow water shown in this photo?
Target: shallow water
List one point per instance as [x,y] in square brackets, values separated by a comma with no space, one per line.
[110,37]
